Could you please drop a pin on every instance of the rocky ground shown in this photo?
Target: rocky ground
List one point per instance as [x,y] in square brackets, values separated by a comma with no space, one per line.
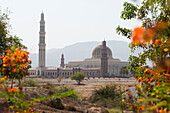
[84,92]
[89,85]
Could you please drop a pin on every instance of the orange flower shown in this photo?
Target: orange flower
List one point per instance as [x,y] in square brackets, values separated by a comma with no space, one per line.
[10,59]
[158,42]
[3,78]
[25,65]
[5,60]
[16,60]
[135,40]
[162,111]
[14,70]
[20,60]
[166,50]
[158,83]
[142,107]
[15,89]
[129,93]
[138,35]
[9,90]
[138,30]
[16,54]
[147,71]
[7,51]
[140,100]
[140,79]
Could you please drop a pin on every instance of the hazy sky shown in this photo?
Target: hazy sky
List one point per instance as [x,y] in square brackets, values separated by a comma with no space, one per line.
[67,21]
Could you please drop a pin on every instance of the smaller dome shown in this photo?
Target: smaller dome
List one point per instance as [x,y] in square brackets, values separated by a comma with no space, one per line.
[97,52]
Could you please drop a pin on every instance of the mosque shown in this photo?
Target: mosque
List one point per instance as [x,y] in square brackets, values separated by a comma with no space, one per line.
[101,64]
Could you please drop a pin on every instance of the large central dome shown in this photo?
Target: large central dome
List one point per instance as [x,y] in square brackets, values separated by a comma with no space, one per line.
[97,52]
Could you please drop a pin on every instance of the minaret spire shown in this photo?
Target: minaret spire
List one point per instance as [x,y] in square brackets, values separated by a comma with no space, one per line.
[42,16]
[62,61]
[42,45]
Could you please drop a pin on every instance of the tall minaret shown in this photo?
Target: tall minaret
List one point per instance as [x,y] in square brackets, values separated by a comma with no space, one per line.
[104,60]
[42,45]
[62,61]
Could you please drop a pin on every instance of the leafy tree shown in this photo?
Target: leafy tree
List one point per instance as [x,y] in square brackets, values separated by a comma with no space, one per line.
[153,15]
[8,45]
[154,38]
[6,39]
[78,77]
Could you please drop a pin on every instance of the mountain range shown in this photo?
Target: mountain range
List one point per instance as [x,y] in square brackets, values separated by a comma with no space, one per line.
[81,51]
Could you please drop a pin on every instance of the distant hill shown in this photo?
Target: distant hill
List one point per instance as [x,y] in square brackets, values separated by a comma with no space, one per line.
[80,51]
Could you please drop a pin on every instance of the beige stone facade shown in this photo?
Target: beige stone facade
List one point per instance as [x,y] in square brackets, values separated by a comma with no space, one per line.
[116,67]
[101,64]
[91,67]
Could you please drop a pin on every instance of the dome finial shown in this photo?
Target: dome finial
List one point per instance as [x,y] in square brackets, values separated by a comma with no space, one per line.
[104,43]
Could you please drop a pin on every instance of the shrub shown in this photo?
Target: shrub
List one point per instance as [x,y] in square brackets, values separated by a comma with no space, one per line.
[49,86]
[15,64]
[107,96]
[66,89]
[30,83]
[56,103]
[59,79]
[114,111]
[78,77]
